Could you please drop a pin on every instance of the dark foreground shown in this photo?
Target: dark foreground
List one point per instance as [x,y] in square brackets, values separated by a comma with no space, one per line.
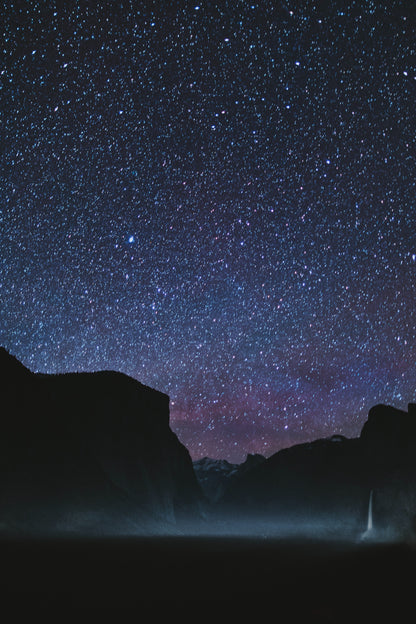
[210,578]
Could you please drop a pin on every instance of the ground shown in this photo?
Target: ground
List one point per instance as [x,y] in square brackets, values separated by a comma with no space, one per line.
[308,580]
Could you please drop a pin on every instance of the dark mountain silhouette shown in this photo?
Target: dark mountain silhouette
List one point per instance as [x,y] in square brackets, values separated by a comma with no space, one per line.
[89,452]
[94,452]
[328,481]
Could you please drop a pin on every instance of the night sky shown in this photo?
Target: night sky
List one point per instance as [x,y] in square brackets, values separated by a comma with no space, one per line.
[218,199]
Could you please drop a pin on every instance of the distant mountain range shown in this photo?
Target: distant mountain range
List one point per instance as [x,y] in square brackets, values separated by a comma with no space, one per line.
[215,475]
[94,453]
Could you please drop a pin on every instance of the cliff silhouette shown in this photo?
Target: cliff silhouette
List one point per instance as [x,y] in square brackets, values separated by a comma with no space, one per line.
[89,452]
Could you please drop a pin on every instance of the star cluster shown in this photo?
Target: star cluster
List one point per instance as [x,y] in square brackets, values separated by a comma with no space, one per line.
[218,199]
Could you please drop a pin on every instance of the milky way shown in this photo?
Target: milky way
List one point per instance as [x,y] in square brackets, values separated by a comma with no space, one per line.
[218,199]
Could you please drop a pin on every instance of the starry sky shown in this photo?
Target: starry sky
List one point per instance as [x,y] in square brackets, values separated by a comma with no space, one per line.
[218,199]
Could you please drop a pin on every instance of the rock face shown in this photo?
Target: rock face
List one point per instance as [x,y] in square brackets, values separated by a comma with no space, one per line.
[330,480]
[391,431]
[89,451]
